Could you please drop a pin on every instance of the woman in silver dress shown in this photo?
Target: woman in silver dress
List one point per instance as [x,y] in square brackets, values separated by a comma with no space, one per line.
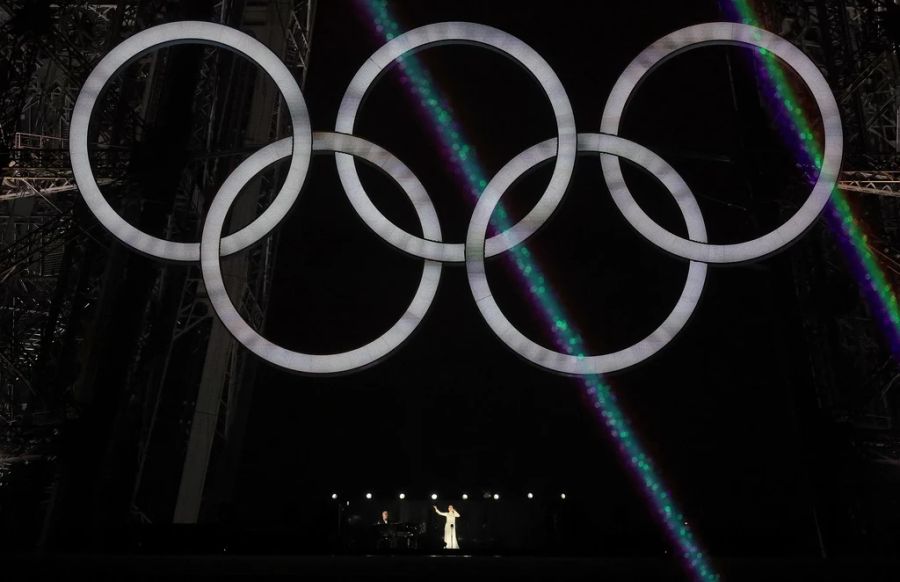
[450,542]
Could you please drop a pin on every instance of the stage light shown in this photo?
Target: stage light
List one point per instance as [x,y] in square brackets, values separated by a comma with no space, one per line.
[403,496]
[334,495]
[368,496]
[562,496]
[496,496]
[433,496]
[464,496]
[530,496]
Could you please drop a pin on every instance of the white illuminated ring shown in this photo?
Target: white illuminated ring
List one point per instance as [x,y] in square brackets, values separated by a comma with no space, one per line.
[183,33]
[725,33]
[241,330]
[568,363]
[469,33]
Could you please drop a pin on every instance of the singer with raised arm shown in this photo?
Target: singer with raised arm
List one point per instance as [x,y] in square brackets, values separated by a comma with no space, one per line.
[450,542]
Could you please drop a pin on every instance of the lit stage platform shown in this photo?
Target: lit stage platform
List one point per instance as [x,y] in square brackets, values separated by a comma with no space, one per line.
[433,568]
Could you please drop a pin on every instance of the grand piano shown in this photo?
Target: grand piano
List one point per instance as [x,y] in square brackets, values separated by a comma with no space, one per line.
[401,535]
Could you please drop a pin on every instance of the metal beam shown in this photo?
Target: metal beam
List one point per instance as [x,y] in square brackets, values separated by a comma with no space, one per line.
[222,381]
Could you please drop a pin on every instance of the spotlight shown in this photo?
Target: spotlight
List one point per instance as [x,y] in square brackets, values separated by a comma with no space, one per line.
[403,496]
[334,495]
[562,496]
[433,496]
[464,496]
[368,496]
[496,496]
[531,496]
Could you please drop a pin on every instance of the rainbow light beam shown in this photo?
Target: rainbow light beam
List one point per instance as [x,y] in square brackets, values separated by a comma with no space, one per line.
[435,110]
[795,128]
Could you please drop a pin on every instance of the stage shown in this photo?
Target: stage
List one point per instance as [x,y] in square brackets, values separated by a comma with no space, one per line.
[433,567]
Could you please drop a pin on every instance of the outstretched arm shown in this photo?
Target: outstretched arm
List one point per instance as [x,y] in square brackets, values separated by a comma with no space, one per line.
[437,511]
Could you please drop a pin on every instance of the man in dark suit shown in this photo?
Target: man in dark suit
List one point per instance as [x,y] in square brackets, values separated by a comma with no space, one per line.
[387,537]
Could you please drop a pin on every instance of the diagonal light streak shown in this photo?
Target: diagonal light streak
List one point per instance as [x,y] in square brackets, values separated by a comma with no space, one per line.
[437,113]
[796,128]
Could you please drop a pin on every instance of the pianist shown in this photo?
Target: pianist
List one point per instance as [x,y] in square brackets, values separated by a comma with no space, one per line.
[386,534]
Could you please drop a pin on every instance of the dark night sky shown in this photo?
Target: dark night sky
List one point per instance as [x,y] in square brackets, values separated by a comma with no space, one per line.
[453,408]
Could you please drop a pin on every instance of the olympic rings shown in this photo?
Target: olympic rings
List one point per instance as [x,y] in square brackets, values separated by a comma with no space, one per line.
[430,247]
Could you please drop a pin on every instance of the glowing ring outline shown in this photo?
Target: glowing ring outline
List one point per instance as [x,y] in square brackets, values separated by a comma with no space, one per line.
[250,338]
[706,34]
[568,363]
[188,32]
[468,33]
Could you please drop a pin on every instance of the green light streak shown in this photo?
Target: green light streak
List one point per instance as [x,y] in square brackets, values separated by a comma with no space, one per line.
[840,216]
[566,336]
